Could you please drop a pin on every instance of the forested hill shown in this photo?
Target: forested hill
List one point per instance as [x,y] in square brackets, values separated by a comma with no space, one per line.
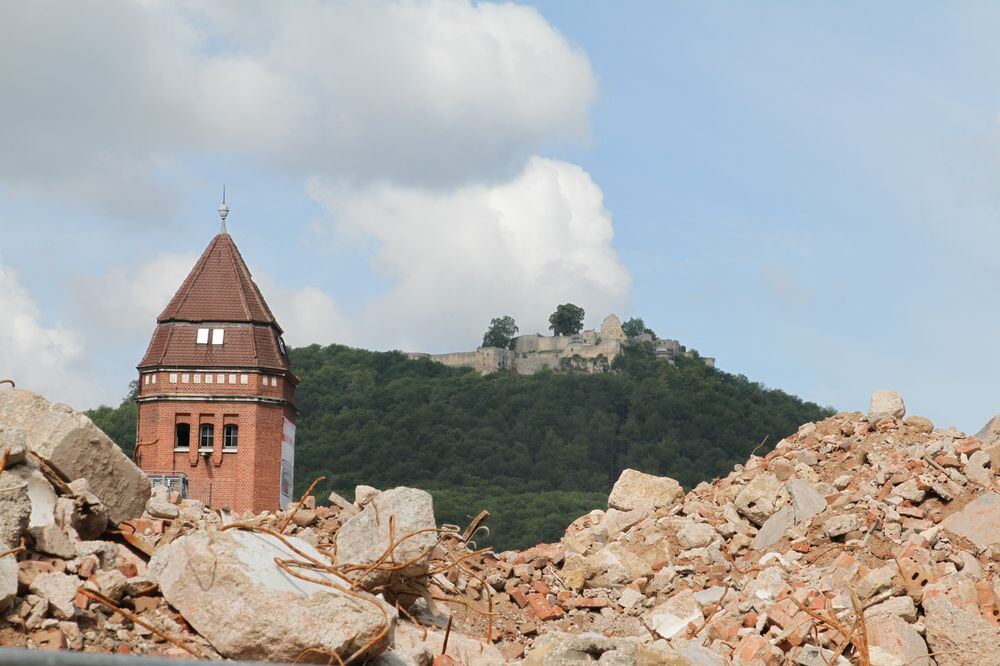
[536,451]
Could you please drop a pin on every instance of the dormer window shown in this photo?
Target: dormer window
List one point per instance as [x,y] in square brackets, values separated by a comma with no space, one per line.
[218,335]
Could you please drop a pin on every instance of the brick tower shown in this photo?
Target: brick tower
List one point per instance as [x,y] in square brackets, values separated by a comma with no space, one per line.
[216,392]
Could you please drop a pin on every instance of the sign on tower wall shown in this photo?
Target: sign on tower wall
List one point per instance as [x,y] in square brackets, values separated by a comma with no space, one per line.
[287,463]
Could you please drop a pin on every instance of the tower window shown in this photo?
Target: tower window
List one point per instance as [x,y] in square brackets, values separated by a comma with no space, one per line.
[153,378]
[232,379]
[182,436]
[230,436]
[207,436]
[217,335]
[197,378]
[202,336]
[185,378]
[173,377]
[244,379]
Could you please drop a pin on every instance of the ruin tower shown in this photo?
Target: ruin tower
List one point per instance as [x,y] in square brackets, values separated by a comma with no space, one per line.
[216,392]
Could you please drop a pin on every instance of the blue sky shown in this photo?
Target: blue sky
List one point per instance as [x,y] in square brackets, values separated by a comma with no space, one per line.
[806,191]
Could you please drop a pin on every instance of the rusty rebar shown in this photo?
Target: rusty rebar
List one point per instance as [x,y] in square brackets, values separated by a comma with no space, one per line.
[101,599]
[301,500]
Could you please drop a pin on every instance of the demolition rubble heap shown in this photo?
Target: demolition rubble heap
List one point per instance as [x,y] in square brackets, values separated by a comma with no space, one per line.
[862,539]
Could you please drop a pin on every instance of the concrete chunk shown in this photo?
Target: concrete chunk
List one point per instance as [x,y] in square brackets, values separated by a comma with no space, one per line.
[671,618]
[774,528]
[892,641]
[563,649]
[957,636]
[695,535]
[364,538]
[69,442]
[842,524]
[885,404]
[59,590]
[615,564]
[634,490]
[757,499]
[15,510]
[8,580]
[979,521]
[51,540]
[13,444]
[806,501]
[229,588]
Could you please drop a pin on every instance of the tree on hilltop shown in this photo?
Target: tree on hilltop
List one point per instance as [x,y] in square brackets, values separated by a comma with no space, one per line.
[566,320]
[500,333]
[635,327]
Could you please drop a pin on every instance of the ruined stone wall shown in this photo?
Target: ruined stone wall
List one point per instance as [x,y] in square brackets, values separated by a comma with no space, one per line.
[484,360]
[527,344]
[590,350]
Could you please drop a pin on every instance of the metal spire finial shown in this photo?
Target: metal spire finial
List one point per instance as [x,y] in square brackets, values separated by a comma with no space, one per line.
[223,210]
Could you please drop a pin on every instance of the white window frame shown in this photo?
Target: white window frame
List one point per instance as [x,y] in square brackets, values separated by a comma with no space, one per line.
[185,378]
[173,377]
[218,335]
[232,378]
[202,338]
[197,378]
[244,379]
[153,380]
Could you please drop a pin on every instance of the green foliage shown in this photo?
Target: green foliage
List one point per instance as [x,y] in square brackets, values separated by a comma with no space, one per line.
[119,422]
[566,320]
[635,327]
[536,451]
[500,333]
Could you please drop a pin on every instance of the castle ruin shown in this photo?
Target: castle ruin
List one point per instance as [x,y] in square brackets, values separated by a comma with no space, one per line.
[590,351]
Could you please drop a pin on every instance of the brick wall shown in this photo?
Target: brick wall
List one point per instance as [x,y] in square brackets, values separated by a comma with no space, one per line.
[245,480]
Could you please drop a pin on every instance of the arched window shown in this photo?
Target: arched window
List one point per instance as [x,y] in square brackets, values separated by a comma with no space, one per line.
[207,435]
[230,436]
[182,436]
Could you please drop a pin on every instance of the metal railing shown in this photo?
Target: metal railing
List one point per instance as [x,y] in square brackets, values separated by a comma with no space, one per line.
[175,481]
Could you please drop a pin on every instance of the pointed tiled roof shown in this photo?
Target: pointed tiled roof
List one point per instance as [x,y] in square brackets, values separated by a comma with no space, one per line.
[219,289]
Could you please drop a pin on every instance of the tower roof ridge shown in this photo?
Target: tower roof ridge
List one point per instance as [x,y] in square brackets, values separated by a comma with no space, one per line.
[220,288]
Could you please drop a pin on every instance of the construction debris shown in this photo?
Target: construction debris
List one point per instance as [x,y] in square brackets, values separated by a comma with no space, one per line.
[862,539]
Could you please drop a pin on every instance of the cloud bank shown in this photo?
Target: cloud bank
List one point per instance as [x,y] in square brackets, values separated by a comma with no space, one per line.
[102,100]
[456,259]
[44,358]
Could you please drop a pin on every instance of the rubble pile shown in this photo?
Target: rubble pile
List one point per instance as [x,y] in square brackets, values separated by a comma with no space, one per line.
[862,539]
[866,539]
[94,559]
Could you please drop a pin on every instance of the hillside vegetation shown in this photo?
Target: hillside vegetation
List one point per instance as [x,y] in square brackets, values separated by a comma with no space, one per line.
[536,451]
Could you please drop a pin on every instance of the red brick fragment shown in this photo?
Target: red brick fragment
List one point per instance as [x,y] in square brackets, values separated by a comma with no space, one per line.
[519,597]
[543,608]
[589,603]
[968,445]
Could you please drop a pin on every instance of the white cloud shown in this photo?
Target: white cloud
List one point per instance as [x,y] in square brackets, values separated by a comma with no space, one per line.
[124,303]
[455,260]
[45,359]
[99,100]
[306,315]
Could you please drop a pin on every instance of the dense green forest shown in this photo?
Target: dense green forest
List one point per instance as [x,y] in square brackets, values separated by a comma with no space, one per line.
[536,451]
